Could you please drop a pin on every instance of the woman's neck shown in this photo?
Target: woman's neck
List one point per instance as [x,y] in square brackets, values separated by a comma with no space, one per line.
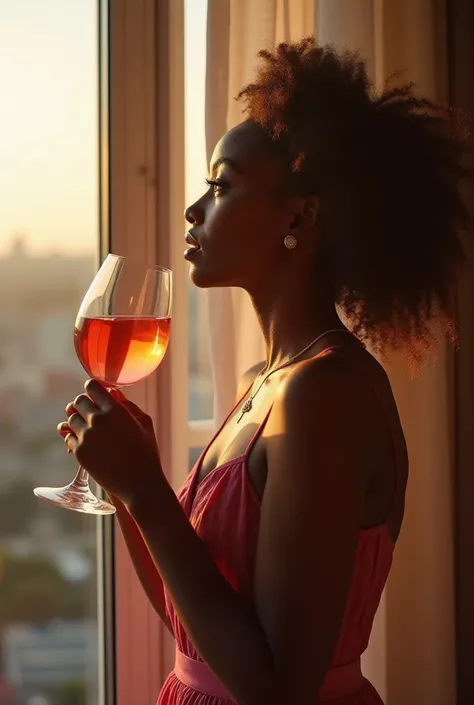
[290,317]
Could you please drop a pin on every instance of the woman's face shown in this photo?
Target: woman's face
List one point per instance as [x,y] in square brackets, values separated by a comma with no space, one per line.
[238,226]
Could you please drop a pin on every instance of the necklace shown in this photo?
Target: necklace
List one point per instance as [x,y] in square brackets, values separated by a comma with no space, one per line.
[247,406]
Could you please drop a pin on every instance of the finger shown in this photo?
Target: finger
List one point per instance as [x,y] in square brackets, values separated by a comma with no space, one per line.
[63,428]
[69,450]
[84,406]
[118,394]
[77,424]
[70,408]
[133,408]
[99,394]
[64,431]
[71,442]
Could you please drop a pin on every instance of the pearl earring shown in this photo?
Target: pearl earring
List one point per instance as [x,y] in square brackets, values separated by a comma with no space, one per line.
[290,242]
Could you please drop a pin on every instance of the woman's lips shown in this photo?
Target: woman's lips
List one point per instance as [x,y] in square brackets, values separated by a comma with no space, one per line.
[192,252]
[194,247]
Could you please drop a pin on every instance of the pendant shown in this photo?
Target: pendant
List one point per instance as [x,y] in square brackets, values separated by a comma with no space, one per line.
[245,409]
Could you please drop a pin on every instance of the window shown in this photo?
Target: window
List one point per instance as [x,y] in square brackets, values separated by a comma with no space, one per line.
[200,380]
[200,390]
[52,644]
[49,240]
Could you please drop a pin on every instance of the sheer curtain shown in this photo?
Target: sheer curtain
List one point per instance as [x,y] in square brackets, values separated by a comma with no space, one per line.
[411,654]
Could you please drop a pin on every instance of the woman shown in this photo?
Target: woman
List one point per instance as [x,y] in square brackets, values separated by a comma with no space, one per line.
[269,565]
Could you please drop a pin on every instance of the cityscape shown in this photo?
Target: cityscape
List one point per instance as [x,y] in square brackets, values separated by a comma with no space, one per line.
[48,613]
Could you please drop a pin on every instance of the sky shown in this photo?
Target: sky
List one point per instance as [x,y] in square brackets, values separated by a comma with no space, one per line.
[48,121]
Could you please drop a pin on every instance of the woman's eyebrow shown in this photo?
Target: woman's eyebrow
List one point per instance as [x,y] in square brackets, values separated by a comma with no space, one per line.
[230,162]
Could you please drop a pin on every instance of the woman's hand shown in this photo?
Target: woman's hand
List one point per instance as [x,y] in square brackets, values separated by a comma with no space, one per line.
[114,440]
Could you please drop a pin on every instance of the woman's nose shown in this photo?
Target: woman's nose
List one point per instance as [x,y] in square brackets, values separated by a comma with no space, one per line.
[194,214]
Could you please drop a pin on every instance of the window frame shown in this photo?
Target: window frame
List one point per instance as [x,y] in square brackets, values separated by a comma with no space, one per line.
[105,526]
[142,204]
[145,156]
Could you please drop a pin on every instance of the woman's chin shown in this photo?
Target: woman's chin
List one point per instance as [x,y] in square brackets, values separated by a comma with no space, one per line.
[199,277]
[202,277]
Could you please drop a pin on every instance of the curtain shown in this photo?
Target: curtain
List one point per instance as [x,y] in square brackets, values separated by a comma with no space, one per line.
[411,654]
[461,84]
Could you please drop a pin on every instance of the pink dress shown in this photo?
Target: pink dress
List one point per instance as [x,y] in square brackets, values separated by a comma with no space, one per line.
[225,512]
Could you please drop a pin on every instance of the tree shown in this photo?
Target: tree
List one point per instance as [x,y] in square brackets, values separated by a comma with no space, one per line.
[8,427]
[69,522]
[18,508]
[71,693]
[33,590]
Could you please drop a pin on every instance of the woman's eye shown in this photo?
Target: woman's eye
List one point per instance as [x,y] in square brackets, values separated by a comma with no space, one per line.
[216,184]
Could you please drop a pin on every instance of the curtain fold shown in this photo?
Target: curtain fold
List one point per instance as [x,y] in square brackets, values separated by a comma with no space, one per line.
[460,23]
[411,655]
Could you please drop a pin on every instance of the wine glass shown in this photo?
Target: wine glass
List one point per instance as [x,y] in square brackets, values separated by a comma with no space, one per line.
[121,336]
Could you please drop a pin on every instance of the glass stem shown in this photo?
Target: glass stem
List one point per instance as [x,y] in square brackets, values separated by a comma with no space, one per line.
[81,481]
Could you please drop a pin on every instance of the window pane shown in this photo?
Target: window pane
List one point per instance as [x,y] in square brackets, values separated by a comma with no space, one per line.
[48,245]
[200,380]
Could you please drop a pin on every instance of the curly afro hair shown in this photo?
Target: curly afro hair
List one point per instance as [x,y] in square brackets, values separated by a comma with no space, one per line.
[387,168]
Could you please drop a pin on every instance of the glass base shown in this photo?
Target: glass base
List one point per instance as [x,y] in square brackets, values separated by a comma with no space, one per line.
[77,498]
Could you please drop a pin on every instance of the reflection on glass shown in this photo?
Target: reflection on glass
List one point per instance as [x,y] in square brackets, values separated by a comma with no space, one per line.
[48,241]
[200,404]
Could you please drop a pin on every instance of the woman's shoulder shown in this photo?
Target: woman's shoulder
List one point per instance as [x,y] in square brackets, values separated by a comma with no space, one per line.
[330,372]
[334,387]
[338,373]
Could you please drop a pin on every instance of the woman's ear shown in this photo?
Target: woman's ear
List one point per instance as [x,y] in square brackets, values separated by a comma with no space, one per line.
[306,215]
[295,224]
[311,208]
